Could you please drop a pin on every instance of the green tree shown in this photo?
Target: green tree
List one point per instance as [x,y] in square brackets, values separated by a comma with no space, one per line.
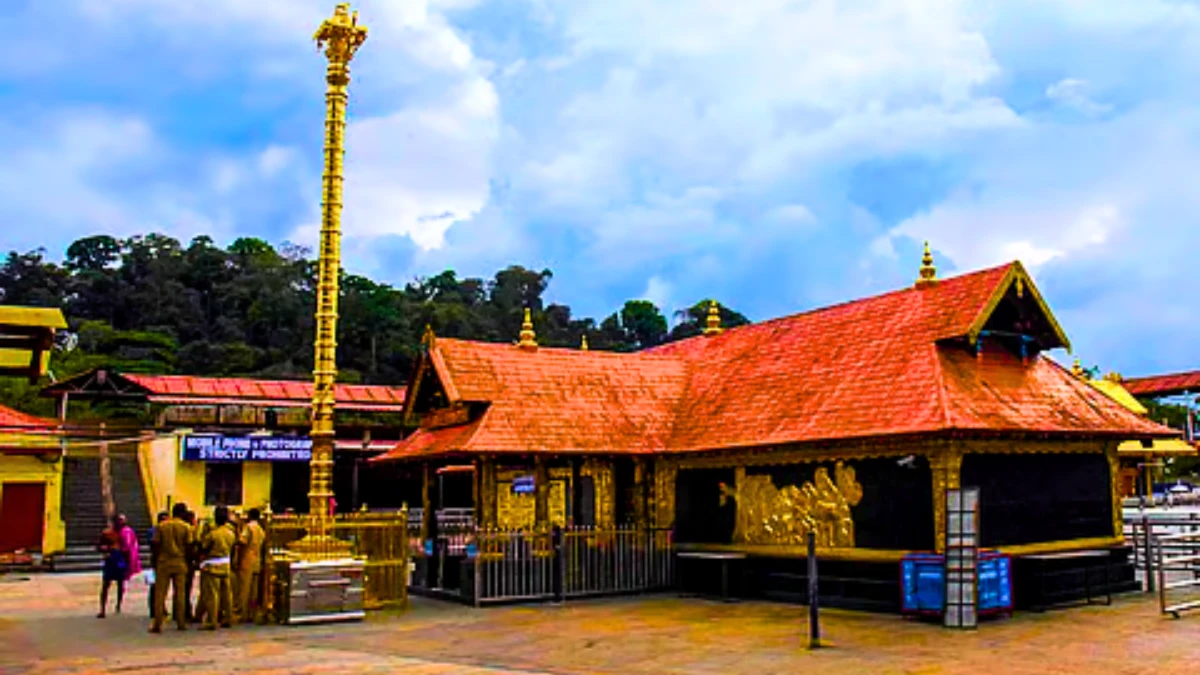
[693,320]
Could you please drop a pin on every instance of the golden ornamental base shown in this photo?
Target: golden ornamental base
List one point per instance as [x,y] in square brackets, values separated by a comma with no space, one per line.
[320,547]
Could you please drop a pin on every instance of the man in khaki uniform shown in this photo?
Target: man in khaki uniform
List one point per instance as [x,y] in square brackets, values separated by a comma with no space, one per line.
[249,566]
[215,569]
[171,545]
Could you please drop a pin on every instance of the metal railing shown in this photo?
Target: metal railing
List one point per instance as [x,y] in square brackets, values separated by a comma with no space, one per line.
[1144,530]
[380,538]
[620,561]
[488,566]
[1177,559]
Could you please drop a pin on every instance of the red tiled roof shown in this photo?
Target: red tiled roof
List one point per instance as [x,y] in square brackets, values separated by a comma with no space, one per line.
[1163,385]
[872,367]
[199,390]
[15,419]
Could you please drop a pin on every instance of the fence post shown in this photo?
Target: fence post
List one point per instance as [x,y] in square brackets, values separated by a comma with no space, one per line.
[814,626]
[560,563]
[478,592]
[1148,552]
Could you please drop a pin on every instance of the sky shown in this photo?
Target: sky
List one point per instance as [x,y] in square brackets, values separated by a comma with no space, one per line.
[778,155]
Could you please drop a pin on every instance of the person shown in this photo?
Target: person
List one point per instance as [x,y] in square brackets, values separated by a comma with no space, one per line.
[249,566]
[115,567]
[129,542]
[214,571]
[172,542]
[195,612]
[162,518]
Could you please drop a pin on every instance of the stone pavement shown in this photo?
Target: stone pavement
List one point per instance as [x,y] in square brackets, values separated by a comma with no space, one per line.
[47,625]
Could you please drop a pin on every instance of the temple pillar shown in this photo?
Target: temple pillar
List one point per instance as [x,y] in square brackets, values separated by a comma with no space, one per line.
[641,493]
[663,493]
[576,491]
[1114,477]
[945,465]
[485,505]
[427,515]
[541,483]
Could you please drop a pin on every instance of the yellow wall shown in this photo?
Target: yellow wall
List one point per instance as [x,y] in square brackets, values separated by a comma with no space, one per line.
[170,480]
[28,469]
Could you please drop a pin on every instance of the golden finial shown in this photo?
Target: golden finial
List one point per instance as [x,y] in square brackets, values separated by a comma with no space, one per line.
[428,338]
[1077,369]
[928,271]
[1114,377]
[528,338]
[583,343]
[712,324]
[341,36]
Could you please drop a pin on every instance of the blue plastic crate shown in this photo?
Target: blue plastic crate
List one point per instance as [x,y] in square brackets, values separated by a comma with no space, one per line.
[923,583]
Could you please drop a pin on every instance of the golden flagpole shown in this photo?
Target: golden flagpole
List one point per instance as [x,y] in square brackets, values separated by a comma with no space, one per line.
[340,36]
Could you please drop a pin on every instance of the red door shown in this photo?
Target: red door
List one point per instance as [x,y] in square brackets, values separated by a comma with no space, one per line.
[22,508]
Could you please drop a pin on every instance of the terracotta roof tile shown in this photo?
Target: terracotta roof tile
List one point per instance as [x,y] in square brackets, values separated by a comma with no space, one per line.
[872,367]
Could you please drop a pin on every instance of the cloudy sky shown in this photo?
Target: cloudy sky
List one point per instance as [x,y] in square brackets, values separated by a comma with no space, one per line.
[779,156]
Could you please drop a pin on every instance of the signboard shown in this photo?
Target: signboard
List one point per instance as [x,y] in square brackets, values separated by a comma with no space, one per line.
[523,485]
[245,449]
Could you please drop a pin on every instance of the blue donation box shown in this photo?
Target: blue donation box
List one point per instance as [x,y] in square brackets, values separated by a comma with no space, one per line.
[217,448]
[923,583]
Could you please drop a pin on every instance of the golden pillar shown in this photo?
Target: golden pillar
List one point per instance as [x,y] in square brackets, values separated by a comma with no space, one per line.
[541,485]
[946,466]
[341,36]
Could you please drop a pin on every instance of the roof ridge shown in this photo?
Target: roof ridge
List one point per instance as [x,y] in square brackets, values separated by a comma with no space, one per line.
[845,303]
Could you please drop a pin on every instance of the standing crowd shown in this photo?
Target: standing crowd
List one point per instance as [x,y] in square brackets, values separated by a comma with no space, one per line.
[227,552]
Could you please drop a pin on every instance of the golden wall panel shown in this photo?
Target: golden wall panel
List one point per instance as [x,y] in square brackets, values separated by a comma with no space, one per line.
[767,514]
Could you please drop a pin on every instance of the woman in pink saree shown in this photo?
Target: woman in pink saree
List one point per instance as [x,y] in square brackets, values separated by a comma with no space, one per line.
[129,542]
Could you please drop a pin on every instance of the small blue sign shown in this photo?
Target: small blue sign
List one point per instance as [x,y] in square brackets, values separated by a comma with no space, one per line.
[523,485]
[472,550]
[429,548]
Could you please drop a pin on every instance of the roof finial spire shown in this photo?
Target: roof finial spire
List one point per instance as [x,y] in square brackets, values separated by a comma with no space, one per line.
[583,343]
[528,337]
[712,324]
[928,271]
[428,338]
[1077,369]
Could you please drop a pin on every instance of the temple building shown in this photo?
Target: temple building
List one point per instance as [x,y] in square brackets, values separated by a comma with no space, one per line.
[850,421]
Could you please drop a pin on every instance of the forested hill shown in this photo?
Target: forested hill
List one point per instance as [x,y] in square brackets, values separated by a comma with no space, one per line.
[151,304]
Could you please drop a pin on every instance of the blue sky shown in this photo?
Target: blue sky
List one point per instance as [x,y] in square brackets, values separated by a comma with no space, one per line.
[777,156]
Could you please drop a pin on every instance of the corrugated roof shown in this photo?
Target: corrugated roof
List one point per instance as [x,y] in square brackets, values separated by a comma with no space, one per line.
[15,419]
[192,389]
[1164,385]
[868,368]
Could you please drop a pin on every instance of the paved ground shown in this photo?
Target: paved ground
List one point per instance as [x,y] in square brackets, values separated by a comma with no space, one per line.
[47,625]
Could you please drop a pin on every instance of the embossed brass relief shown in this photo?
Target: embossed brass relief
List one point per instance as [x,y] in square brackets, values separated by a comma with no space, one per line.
[767,514]
[518,511]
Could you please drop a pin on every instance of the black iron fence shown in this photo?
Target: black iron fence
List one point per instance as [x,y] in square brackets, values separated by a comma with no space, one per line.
[489,566]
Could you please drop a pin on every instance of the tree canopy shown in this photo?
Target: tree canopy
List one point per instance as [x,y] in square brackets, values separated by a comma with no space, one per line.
[150,304]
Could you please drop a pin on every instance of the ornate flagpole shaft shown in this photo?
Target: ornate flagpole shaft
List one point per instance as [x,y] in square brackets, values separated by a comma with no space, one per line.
[341,36]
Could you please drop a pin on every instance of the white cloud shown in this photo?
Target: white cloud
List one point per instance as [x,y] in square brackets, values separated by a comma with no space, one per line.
[658,291]
[275,159]
[1073,94]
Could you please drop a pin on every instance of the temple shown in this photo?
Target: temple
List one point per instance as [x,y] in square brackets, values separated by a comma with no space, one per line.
[850,421]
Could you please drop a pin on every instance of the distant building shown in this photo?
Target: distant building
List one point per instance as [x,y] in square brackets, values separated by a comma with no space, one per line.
[239,441]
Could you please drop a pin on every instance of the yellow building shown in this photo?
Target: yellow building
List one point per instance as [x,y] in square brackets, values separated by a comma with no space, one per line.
[30,454]
[175,470]
[1138,458]
[30,485]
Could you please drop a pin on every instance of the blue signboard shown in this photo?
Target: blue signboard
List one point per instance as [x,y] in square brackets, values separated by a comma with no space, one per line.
[523,485]
[216,448]
[923,583]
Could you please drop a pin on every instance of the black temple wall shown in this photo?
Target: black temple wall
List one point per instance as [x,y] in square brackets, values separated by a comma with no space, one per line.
[1032,498]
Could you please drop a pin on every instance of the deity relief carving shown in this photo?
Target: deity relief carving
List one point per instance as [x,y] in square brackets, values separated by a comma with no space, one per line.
[770,515]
